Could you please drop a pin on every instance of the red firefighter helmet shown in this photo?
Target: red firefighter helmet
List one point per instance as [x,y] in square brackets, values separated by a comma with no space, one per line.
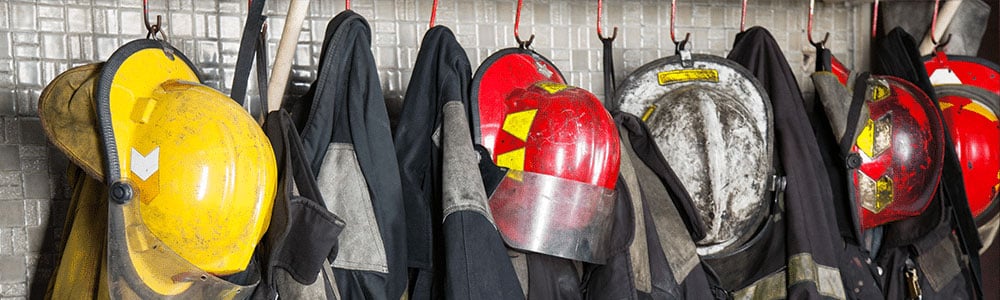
[968,91]
[950,69]
[897,152]
[562,149]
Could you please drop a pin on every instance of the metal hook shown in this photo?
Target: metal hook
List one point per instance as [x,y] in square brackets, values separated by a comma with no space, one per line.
[434,13]
[743,16]
[938,44]
[600,32]
[517,22]
[874,19]
[152,30]
[673,34]
[809,28]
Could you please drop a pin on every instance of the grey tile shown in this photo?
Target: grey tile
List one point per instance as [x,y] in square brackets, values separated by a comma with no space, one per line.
[34,165]
[7,103]
[40,240]
[9,158]
[11,213]
[37,186]
[5,45]
[10,185]
[27,100]
[23,16]
[13,289]
[6,241]
[11,130]
[79,20]
[31,131]
[12,269]
[33,151]
[19,240]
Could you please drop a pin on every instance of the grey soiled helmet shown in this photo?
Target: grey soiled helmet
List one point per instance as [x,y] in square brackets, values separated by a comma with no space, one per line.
[712,121]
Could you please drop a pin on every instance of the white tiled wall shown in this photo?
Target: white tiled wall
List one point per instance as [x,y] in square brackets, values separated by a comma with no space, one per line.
[39,39]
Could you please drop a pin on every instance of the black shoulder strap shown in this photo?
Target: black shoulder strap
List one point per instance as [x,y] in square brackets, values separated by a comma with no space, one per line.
[292,162]
[609,73]
[262,70]
[250,44]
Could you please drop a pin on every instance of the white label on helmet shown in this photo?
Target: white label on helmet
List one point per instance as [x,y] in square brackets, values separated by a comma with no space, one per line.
[145,165]
[944,76]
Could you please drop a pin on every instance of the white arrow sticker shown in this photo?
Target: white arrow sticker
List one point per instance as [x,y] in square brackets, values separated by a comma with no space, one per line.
[145,165]
[944,76]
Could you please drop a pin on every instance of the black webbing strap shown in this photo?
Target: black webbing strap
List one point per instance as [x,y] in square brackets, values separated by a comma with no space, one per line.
[963,222]
[248,47]
[609,73]
[262,68]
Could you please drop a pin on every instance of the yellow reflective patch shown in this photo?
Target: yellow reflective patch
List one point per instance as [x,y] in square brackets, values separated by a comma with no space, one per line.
[876,137]
[883,193]
[676,76]
[945,105]
[519,124]
[867,138]
[880,92]
[875,195]
[551,87]
[978,108]
[516,175]
[513,159]
[649,112]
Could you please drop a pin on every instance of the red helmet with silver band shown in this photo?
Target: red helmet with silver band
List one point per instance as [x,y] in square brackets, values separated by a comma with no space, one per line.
[562,149]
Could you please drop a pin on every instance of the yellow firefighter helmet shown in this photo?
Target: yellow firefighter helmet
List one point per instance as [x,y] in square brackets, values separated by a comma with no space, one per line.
[191,177]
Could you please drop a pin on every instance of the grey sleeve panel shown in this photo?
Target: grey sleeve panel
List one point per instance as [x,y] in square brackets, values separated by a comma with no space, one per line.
[673,235]
[941,264]
[638,250]
[836,100]
[462,184]
[346,194]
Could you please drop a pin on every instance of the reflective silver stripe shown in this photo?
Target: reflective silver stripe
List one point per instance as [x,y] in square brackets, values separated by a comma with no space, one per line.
[638,250]
[345,192]
[459,193]
[801,268]
[767,288]
[673,234]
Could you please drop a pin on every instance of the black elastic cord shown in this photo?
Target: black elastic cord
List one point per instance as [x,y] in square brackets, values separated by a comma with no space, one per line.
[857,102]
[248,45]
